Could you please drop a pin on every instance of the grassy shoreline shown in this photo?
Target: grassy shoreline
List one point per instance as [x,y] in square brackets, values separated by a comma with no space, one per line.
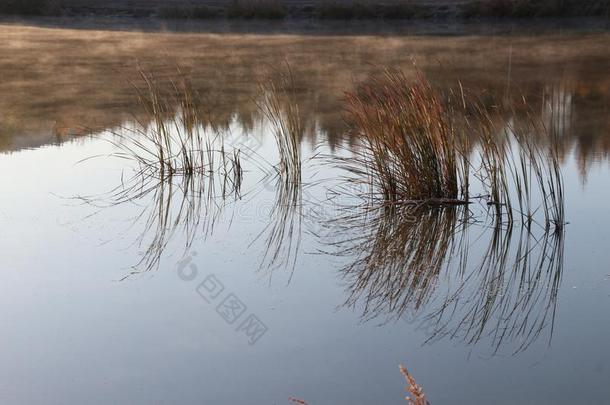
[310,9]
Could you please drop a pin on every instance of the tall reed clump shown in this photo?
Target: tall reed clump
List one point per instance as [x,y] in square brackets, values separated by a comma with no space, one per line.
[420,147]
[278,104]
[172,140]
[411,150]
[522,176]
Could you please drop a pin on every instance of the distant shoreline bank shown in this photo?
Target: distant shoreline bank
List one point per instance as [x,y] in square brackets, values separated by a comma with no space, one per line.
[330,10]
[446,27]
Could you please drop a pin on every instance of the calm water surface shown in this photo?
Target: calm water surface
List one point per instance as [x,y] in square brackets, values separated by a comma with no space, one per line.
[80,324]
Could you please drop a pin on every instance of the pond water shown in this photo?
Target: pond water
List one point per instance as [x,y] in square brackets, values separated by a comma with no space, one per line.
[255,296]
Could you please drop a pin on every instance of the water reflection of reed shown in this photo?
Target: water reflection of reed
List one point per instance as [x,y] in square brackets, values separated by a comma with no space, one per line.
[396,254]
[171,206]
[423,262]
[282,234]
[185,207]
[510,296]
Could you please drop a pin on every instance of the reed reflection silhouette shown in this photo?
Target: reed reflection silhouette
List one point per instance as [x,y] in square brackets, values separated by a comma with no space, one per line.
[283,233]
[395,254]
[500,286]
[510,296]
